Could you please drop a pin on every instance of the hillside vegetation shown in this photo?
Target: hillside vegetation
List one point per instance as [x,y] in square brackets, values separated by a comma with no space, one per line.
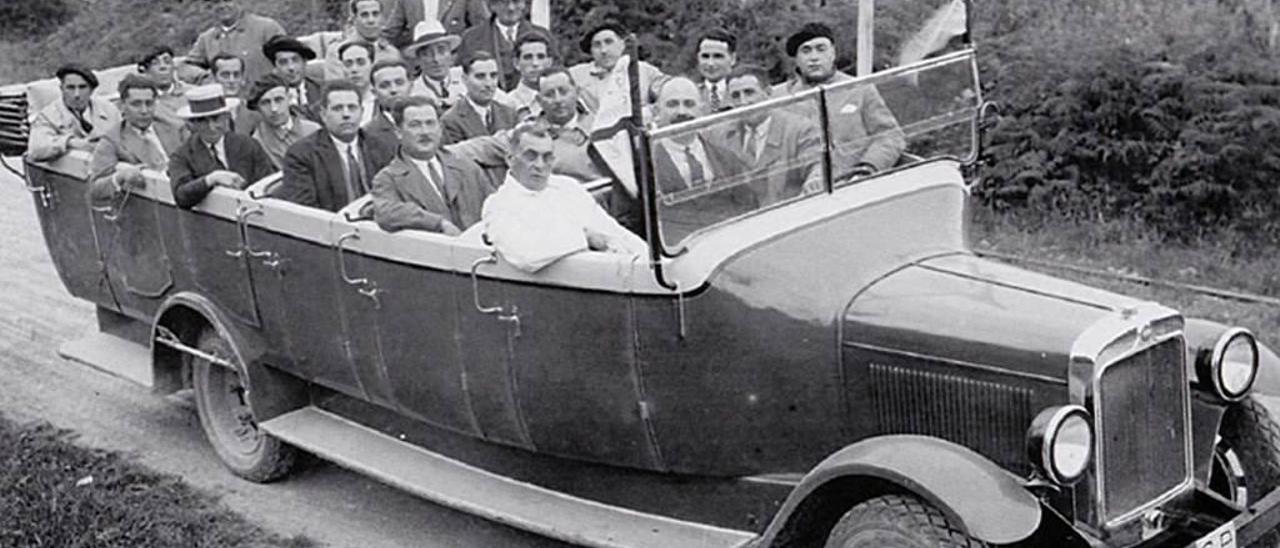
[1160,111]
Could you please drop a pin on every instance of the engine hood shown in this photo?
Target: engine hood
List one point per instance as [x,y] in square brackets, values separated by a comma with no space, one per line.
[963,308]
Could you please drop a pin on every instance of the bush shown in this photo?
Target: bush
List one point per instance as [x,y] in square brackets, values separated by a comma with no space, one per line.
[27,18]
[1167,113]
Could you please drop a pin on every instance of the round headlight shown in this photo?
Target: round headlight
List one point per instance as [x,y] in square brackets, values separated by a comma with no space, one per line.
[1232,365]
[1060,443]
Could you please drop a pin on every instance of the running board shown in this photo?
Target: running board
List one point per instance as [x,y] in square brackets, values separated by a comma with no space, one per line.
[464,487]
[112,355]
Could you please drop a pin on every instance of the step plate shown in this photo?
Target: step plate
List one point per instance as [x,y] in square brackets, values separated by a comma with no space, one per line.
[112,355]
[469,489]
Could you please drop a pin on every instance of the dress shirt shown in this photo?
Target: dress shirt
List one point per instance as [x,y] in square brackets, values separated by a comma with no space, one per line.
[760,133]
[532,229]
[508,32]
[481,111]
[681,158]
[149,134]
[721,90]
[430,170]
[368,106]
[219,149]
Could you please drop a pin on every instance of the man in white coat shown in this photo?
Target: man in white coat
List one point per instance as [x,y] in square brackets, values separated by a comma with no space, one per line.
[536,218]
[74,123]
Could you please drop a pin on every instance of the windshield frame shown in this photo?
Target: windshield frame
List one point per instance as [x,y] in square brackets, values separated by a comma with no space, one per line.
[643,141]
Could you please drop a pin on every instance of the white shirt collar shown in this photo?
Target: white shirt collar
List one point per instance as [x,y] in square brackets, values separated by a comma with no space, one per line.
[342,147]
[481,110]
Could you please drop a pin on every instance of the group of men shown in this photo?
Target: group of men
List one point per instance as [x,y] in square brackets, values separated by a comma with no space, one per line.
[466,120]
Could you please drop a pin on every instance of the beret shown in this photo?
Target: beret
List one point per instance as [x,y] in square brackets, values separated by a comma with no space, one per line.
[267,82]
[77,69]
[585,44]
[808,32]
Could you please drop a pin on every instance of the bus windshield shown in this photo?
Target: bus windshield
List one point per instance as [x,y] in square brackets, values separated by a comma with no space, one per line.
[713,169]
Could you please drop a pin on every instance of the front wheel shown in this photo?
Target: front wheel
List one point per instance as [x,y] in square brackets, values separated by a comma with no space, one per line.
[899,521]
[227,420]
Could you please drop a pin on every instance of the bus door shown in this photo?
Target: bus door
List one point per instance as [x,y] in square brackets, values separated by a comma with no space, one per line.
[131,246]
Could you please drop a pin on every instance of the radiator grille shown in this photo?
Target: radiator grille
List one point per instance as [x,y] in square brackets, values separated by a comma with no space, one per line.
[1142,407]
[988,417]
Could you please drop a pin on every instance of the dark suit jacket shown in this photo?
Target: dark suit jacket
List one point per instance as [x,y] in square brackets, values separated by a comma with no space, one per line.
[382,128]
[487,37]
[462,122]
[727,168]
[313,173]
[792,155]
[189,165]
[455,15]
[404,199]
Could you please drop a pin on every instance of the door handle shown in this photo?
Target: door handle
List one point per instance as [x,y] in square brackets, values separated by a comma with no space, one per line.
[513,317]
[364,286]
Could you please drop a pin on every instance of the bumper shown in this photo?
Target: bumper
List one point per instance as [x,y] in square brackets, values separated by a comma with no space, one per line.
[1256,521]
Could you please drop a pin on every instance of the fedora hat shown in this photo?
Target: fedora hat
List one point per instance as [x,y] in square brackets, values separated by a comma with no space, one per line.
[429,32]
[207,100]
[281,43]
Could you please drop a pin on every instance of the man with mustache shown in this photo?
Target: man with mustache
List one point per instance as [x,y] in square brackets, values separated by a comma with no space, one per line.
[536,218]
[239,33]
[334,166]
[427,187]
[74,123]
[864,133]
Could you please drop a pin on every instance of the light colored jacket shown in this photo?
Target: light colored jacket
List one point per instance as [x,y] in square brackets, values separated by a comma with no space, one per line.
[54,125]
[863,129]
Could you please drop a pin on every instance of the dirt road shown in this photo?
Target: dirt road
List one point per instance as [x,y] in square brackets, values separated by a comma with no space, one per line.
[328,504]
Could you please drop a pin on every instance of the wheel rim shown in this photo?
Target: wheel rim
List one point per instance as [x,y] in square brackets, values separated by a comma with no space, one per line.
[1227,475]
[229,413]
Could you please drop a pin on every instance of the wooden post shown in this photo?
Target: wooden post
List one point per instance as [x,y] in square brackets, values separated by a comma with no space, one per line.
[540,13]
[866,36]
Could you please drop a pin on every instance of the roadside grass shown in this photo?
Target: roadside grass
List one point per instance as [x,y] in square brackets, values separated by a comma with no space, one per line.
[58,494]
[1126,247]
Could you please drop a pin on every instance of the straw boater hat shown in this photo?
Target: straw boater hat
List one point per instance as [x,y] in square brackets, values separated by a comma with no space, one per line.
[207,100]
[429,32]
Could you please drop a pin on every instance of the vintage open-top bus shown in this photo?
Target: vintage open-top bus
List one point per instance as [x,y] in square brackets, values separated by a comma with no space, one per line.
[830,368]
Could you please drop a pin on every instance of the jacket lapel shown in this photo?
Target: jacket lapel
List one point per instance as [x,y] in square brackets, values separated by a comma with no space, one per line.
[471,122]
[335,175]
[773,144]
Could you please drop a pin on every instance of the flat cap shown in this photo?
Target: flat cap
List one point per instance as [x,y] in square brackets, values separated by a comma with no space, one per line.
[77,69]
[808,32]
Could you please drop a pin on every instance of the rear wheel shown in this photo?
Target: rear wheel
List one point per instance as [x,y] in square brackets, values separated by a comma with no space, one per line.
[897,521]
[227,420]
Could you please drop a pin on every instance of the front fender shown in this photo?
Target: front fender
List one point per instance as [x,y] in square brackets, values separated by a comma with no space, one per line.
[976,494]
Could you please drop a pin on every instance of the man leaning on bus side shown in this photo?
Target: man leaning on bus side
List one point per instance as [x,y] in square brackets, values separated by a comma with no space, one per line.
[128,146]
[213,155]
[74,123]
[427,187]
[335,166]
[864,131]
[535,218]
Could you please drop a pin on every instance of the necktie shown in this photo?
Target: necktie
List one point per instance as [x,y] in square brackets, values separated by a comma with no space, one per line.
[750,145]
[714,96]
[355,173]
[84,124]
[488,120]
[696,172]
[213,153]
[436,179]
